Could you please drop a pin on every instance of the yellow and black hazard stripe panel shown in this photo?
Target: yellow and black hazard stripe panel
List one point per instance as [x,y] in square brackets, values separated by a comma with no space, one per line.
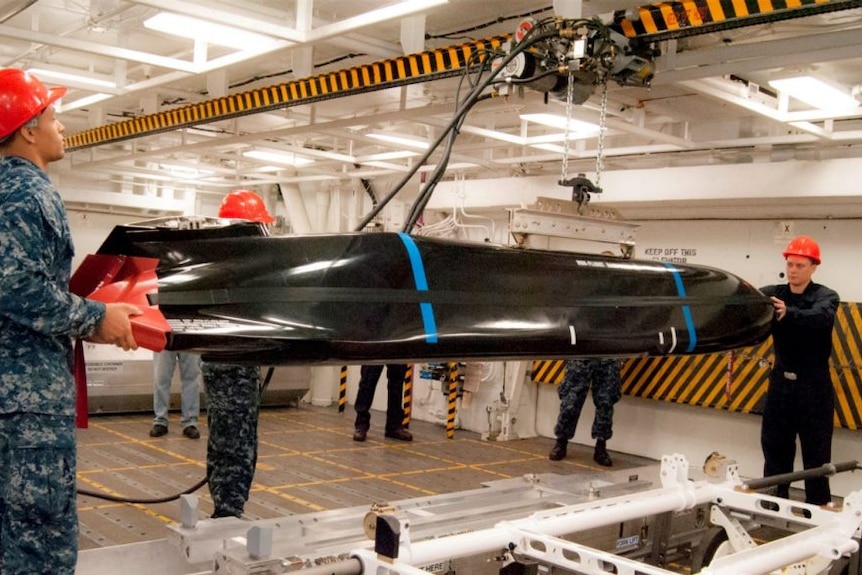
[420,67]
[847,366]
[452,399]
[675,19]
[342,389]
[731,381]
[407,396]
[737,380]
[548,371]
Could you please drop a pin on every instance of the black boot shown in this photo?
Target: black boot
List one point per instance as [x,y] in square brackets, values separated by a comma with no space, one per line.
[558,451]
[600,455]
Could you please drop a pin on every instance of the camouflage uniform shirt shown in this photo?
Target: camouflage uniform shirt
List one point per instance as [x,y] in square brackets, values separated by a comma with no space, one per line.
[38,315]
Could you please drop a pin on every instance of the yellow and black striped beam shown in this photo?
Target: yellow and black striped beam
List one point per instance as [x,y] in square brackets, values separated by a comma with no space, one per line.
[420,67]
[737,381]
[664,20]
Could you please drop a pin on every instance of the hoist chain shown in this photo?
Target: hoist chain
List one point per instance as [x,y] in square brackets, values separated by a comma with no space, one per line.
[570,91]
[603,116]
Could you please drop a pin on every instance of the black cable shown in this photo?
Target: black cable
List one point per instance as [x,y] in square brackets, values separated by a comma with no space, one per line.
[475,96]
[167,498]
[530,39]
[498,20]
[551,72]
[425,195]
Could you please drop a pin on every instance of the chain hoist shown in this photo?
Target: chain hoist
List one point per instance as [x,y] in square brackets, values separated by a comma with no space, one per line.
[570,90]
[603,116]
[581,186]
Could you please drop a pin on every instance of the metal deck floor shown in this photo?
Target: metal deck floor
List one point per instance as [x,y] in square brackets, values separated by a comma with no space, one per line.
[307,461]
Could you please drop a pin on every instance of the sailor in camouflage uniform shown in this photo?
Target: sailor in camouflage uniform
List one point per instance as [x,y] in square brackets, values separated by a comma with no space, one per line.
[604,374]
[233,400]
[38,319]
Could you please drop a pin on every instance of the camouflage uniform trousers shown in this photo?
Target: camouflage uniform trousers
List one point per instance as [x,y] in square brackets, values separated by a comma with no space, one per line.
[233,403]
[604,374]
[38,514]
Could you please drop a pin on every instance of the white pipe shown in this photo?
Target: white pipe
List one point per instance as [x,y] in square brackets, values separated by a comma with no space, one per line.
[561,521]
[296,213]
[322,209]
[782,552]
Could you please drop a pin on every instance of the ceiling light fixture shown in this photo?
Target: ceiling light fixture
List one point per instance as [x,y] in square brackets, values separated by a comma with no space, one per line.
[77,78]
[400,140]
[209,32]
[84,102]
[185,172]
[815,92]
[452,166]
[281,158]
[386,156]
[577,128]
[391,12]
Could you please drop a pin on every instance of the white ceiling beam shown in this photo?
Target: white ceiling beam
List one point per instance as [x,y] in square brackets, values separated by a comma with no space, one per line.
[715,87]
[303,64]
[755,56]
[413,34]
[98,49]
[367,45]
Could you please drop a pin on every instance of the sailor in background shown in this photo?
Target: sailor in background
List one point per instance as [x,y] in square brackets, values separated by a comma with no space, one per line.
[603,375]
[233,400]
[800,400]
[369,375]
[600,374]
[164,365]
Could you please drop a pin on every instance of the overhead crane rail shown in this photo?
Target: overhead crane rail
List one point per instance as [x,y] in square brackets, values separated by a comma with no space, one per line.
[643,27]
[667,20]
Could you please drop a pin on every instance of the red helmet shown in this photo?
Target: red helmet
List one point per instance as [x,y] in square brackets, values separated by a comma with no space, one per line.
[22,97]
[805,247]
[244,205]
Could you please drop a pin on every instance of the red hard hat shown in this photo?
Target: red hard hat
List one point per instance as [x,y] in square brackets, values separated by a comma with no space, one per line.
[805,247]
[244,205]
[22,97]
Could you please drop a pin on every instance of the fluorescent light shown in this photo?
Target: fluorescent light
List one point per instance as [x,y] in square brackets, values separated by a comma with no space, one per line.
[209,32]
[400,140]
[551,148]
[84,102]
[72,77]
[282,158]
[391,12]
[575,127]
[185,172]
[386,156]
[452,166]
[399,10]
[816,93]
